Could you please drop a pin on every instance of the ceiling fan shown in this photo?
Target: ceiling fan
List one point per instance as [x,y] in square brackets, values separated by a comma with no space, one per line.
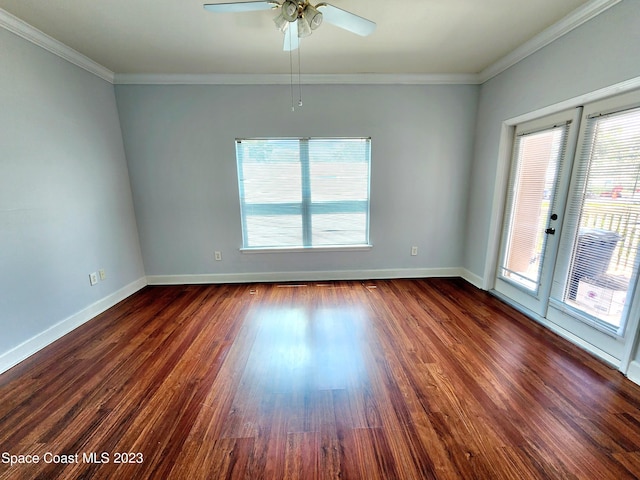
[298,18]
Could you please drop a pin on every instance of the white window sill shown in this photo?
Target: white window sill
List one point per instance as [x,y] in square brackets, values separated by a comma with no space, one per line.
[338,248]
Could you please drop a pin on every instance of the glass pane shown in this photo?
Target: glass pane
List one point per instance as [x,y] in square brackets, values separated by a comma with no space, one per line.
[339,170]
[531,191]
[270,171]
[339,229]
[274,230]
[604,261]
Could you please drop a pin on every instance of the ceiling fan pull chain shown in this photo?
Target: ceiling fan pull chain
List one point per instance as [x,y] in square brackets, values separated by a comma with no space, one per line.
[299,77]
[291,74]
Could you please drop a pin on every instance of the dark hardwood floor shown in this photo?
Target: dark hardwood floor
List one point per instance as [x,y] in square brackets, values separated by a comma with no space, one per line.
[399,379]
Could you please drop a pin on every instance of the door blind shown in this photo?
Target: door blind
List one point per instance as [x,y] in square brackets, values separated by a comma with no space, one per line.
[534,175]
[603,219]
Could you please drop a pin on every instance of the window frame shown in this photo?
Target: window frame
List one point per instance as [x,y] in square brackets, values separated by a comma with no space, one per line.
[306,207]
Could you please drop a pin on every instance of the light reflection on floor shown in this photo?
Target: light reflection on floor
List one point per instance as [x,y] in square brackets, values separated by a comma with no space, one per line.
[303,349]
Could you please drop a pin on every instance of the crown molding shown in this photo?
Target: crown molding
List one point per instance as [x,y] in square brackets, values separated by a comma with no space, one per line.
[22,29]
[306,79]
[570,22]
[573,20]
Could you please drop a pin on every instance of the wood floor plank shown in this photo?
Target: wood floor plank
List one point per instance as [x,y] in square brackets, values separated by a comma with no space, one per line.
[383,379]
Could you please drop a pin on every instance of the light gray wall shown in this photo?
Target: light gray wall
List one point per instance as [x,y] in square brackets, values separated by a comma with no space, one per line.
[600,53]
[65,199]
[181,153]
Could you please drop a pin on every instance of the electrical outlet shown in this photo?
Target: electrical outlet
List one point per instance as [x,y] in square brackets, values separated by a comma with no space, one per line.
[93,278]
[414,251]
[218,256]
[102,274]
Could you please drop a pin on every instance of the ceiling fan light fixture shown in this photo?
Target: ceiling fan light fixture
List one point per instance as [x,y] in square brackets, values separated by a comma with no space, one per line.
[304,29]
[313,16]
[281,22]
[289,10]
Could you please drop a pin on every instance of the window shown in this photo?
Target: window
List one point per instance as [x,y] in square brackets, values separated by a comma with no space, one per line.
[303,193]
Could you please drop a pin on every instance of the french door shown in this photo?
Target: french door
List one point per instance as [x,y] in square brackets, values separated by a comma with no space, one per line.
[540,172]
[571,229]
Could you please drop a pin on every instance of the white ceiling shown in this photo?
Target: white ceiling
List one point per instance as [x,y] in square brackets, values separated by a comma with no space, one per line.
[180,37]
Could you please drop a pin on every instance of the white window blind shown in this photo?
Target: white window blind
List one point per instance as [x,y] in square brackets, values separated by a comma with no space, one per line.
[604,218]
[307,192]
[537,156]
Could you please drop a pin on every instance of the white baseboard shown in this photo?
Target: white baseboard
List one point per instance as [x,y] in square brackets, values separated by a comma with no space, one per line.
[633,372]
[475,280]
[558,330]
[302,276]
[38,342]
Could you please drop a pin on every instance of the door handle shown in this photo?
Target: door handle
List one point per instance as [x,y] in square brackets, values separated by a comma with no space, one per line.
[550,231]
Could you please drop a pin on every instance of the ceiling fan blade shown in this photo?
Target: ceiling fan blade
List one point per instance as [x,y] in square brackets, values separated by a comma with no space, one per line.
[240,6]
[291,40]
[346,20]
